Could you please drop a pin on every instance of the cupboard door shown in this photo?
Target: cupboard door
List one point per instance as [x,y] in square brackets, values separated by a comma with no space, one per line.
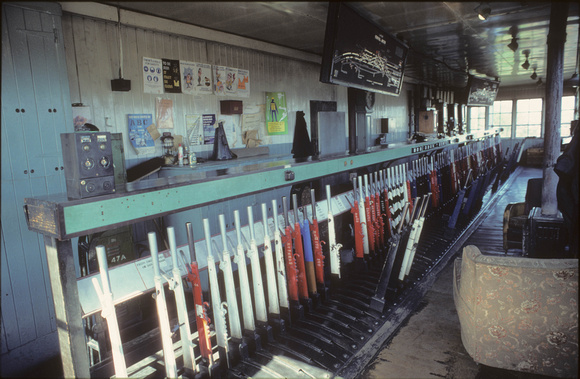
[35,111]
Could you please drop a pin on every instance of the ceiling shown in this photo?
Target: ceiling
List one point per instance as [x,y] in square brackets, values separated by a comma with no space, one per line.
[446,39]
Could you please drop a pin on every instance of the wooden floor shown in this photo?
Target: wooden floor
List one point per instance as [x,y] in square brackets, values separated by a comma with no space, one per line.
[428,345]
[489,236]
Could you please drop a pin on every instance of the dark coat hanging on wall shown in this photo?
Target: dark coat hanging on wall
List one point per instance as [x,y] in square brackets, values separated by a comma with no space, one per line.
[301,147]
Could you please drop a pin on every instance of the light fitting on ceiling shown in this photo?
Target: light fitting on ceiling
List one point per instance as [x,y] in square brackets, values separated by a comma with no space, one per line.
[514,44]
[534,75]
[526,64]
[539,83]
[483,11]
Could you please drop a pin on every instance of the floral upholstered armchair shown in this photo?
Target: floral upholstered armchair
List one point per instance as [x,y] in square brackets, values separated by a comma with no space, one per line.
[518,313]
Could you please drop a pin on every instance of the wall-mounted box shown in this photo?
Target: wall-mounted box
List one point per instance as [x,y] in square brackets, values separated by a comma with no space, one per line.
[427,122]
[231,107]
[385,125]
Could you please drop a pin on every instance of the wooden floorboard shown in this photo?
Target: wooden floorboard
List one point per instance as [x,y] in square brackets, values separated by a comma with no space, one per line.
[489,236]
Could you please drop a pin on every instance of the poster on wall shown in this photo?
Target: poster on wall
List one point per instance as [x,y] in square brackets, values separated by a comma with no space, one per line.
[188,74]
[203,82]
[231,81]
[208,122]
[276,113]
[139,136]
[194,129]
[219,79]
[171,76]
[254,126]
[164,109]
[243,83]
[152,75]
[232,129]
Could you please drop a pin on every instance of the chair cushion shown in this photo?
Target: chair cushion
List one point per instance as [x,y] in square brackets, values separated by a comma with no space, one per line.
[519,313]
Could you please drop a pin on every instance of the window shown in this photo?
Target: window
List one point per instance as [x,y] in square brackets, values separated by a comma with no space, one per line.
[501,116]
[567,115]
[529,118]
[476,119]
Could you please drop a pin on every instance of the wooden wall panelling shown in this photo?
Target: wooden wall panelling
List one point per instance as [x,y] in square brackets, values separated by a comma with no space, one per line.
[19,258]
[53,124]
[81,60]
[70,56]
[13,137]
[24,86]
[37,272]
[47,91]
[42,50]
[105,68]
[14,164]
[33,77]
[16,260]
[4,348]
[139,46]
[10,332]
[6,157]
[93,85]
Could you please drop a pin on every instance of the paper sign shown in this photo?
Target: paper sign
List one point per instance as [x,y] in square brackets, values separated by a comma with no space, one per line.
[152,76]
[219,80]
[171,76]
[139,136]
[203,83]
[276,113]
[194,129]
[188,75]
[243,80]
[164,108]
[152,129]
[208,121]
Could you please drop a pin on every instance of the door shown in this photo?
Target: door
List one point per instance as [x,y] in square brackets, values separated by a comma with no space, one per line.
[35,110]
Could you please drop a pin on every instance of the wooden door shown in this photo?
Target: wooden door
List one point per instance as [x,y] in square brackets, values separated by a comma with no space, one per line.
[35,110]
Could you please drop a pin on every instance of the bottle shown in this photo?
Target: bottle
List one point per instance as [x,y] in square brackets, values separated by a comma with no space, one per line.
[192,157]
[185,156]
[180,155]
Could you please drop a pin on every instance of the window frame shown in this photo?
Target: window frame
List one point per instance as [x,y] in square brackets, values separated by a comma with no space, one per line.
[517,115]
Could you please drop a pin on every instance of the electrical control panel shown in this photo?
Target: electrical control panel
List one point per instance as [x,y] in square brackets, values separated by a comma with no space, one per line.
[88,164]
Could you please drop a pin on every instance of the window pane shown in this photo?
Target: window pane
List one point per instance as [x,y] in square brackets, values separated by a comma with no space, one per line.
[567,115]
[501,116]
[477,119]
[535,118]
[535,105]
[534,131]
[529,118]
[506,119]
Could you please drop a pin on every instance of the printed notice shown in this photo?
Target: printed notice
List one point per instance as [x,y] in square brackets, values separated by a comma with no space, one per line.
[194,129]
[171,76]
[152,76]
[276,113]
[219,80]
[243,83]
[139,136]
[208,121]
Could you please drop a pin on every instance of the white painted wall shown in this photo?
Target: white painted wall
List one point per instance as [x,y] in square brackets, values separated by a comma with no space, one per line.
[92,56]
